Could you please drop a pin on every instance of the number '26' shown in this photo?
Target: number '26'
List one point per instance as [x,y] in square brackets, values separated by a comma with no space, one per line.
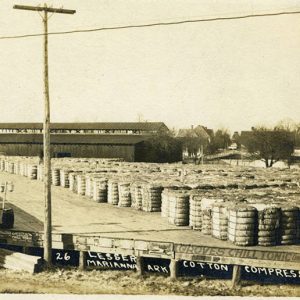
[60,256]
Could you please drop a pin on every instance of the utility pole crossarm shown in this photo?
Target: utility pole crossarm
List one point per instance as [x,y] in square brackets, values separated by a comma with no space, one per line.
[47,9]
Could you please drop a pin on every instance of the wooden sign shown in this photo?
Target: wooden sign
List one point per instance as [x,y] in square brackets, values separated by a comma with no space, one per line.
[238,253]
[260,274]
[97,260]
[65,257]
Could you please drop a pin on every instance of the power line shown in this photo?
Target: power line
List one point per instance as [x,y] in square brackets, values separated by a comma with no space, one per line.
[152,24]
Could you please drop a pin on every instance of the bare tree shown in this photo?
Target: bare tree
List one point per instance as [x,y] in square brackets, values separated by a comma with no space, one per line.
[271,145]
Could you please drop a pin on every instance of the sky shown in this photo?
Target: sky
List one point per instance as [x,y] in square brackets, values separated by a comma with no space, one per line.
[230,74]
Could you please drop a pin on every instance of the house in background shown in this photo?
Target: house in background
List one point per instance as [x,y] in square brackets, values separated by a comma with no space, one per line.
[194,142]
[296,155]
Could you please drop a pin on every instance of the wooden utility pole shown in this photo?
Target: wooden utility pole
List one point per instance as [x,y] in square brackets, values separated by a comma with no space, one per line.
[46,128]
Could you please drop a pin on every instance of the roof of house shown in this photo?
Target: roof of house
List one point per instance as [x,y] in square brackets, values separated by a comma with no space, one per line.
[145,126]
[196,132]
[203,132]
[74,139]
[187,133]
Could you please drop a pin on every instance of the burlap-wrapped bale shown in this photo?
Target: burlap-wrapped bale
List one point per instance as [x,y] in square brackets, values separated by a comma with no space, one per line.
[179,208]
[113,192]
[64,177]
[268,225]
[99,190]
[242,225]
[206,208]
[136,195]
[151,197]
[289,225]
[81,184]
[124,194]
[195,211]
[220,220]
[55,176]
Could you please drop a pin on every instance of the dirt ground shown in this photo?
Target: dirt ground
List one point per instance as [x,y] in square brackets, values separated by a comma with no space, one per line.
[73,281]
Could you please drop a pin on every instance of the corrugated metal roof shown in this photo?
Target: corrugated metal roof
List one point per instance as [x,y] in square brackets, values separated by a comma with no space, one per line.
[146,126]
[74,138]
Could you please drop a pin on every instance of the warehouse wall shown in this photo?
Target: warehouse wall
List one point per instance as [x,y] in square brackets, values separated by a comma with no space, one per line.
[161,150]
[106,151]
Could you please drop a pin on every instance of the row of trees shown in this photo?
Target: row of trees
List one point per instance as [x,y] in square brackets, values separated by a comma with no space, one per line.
[268,144]
[166,147]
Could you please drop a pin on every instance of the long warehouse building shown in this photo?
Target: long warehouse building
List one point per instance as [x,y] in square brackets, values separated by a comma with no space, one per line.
[106,140]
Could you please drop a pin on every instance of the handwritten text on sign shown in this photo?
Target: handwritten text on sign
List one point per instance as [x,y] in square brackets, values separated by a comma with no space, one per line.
[125,262]
[110,261]
[192,268]
[270,271]
[65,257]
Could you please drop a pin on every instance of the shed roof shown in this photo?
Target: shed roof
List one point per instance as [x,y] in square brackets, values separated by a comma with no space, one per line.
[146,126]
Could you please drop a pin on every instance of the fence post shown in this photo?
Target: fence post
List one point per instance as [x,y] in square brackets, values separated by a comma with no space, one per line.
[82,260]
[174,269]
[140,265]
[236,276]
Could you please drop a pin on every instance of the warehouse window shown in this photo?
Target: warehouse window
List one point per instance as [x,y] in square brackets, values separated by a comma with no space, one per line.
[62,154]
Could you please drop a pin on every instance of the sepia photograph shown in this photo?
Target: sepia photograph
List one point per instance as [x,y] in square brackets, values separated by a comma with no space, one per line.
[149,148]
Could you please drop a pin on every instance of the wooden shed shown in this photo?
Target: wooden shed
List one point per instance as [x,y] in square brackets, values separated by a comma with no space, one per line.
[107,140]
